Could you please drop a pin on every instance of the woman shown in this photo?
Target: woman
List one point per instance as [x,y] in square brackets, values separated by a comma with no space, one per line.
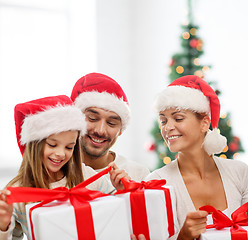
[186,109]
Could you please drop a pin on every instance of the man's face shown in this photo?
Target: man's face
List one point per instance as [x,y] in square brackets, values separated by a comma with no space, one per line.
[103,129]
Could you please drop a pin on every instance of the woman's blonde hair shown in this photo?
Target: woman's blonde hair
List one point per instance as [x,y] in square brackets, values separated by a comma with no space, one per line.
[32,172]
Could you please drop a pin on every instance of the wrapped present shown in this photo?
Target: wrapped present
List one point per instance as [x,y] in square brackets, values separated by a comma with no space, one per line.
[76,213]
[225,228]
[151,208]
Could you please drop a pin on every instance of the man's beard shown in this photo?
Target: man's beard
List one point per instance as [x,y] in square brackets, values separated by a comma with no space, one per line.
[93,153]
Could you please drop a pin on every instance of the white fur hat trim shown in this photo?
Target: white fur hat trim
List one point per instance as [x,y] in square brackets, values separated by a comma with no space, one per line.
[41,125]
[105,101]
[182,97]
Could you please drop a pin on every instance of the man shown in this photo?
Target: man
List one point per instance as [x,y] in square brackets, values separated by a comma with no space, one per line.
[107,112]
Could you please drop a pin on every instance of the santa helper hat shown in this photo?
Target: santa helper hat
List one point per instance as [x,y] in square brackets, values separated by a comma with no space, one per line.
[99,90]
[192,93]
[38,119]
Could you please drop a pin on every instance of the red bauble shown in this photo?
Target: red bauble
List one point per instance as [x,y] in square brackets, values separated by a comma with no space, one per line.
[193,43]
[150,147]
[233,147]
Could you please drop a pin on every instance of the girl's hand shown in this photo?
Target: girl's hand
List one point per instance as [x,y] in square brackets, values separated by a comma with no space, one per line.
[6,210]
[116,175]
[140,237]
[194,224]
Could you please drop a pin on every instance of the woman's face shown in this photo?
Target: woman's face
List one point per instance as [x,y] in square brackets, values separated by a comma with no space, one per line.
[58,150]
[182,130]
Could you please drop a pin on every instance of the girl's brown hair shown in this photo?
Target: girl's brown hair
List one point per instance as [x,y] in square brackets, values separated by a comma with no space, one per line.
[32,172]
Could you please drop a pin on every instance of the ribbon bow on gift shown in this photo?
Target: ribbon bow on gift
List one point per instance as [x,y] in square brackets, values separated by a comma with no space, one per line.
[132,186]
[79,197]
[238,218]
[138,204]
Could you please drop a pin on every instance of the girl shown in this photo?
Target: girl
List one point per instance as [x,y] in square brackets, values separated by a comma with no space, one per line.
[186,109]
[47,131]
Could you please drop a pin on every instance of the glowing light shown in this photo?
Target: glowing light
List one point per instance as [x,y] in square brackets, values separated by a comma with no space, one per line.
[180,69]
[193,31]
[225,149]
[205,68]
[199,73]
[235,155]
[186,35]
[196,61]
[166,160]
[223,156]
[223,115]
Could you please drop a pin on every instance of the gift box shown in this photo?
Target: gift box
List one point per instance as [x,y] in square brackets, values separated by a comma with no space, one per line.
[151,208]
[223,227]
[224,234]
[76,213]
[56,220]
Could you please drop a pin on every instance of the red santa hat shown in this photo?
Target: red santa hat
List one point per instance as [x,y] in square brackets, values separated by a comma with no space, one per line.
[192,93]
[99,90]
[38,119]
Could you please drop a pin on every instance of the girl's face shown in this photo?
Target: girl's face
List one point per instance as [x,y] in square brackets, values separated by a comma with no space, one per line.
[182,130]
[58,150]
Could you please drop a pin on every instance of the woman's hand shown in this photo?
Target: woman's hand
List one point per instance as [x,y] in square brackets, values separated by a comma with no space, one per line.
[194,224]
[140,237]
[116,175]
[6,210]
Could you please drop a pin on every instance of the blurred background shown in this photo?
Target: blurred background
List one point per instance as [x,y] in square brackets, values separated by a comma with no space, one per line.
[47,45]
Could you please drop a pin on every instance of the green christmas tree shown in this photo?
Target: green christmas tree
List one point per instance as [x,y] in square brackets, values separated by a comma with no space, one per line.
[187,62]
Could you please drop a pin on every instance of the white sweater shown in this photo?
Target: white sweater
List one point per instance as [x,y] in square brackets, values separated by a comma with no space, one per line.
[234,175]
[18,224]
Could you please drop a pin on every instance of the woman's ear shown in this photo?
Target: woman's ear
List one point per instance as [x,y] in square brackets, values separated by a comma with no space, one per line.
[205,124]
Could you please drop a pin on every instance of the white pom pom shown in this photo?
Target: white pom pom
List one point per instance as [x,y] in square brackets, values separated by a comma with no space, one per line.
[214,143]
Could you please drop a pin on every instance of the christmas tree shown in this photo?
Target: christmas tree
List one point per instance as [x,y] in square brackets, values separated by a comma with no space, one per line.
[187,62]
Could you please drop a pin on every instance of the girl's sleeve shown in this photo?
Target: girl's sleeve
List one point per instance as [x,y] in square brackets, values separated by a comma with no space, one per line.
[102,184]
[14,231]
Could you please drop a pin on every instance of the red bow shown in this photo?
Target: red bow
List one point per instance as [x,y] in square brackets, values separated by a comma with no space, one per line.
[132,186]
[238,218]
[138,204]
[79,197]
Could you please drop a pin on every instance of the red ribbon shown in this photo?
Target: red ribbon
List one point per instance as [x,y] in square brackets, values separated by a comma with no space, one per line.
[238,218]
[79,197]
[138,206]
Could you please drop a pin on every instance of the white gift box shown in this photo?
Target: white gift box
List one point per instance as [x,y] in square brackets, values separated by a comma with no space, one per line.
[223,234]
[56,220]
[156,212]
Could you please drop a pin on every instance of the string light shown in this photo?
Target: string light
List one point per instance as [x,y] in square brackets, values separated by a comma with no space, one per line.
[223,115]
[193,31]
[166,160]
[225,149]
[198,73]
[186,35]
[196,61]
[205,68]
[235,155]
[180,69]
